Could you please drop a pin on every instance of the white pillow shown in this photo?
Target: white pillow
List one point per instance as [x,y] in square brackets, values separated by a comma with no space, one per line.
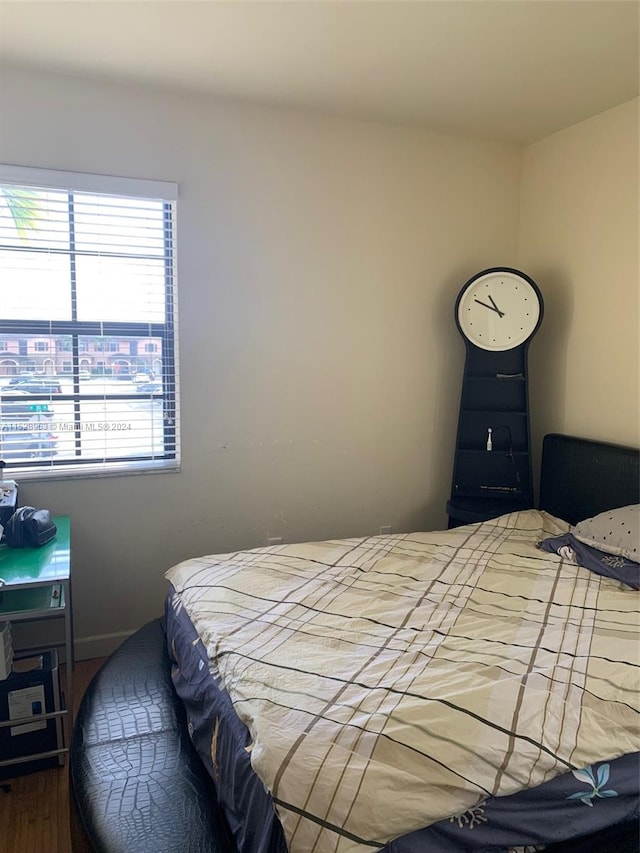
[616,531]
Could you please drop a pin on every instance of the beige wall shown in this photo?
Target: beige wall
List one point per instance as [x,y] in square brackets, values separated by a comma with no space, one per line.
[579,239]
[319,261]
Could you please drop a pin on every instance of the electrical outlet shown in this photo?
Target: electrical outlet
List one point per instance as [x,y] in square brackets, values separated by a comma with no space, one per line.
[274,540]
[386,529]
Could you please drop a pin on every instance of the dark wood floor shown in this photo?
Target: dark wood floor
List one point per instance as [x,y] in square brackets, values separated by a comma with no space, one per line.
[34,813]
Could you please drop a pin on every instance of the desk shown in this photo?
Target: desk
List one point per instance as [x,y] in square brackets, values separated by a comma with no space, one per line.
[35,584]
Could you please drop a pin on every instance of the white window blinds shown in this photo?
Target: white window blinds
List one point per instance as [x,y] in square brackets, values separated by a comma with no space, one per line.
[88,356]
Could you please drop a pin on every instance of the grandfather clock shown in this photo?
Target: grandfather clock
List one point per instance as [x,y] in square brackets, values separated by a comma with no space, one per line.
[497,312]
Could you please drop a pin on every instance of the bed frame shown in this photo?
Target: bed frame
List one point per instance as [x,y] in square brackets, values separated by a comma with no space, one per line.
[581,477]
[137,782]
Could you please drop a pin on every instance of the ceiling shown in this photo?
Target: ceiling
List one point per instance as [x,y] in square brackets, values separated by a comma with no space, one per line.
[497,69]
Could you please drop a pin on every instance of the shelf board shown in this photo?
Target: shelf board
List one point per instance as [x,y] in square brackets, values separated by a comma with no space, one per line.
[43,600]
[509,412]
[35,756]
[496,493]
[501,451]
[23,721]
[494,378]
[472,509]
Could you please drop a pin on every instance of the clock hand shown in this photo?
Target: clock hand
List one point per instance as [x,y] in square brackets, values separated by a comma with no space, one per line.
[490,307]
[501,313]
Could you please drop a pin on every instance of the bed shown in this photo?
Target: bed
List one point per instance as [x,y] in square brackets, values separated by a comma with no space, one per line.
[433,691]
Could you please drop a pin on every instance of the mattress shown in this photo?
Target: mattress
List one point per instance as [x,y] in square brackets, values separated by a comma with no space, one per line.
[460,689]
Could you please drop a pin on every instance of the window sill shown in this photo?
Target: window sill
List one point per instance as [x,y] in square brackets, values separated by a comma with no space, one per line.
[89,472]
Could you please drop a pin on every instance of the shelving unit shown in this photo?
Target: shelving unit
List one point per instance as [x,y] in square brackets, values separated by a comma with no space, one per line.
[487,483]
[35,585]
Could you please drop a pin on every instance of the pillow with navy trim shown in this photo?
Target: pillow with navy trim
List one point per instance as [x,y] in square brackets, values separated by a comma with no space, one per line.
[612,566]
[616,531]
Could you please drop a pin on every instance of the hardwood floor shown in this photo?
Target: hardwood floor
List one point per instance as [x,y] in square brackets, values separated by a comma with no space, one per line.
[34,812]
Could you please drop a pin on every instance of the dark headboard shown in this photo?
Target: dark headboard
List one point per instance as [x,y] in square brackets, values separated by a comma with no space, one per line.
[581,477]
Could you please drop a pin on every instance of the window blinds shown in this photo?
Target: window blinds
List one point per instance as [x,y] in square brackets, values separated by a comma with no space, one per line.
[88,379]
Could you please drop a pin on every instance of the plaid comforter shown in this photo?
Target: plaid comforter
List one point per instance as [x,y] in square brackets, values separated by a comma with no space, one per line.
[392,681]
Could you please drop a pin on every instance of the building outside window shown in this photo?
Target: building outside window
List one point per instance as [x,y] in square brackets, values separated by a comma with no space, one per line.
[88,267]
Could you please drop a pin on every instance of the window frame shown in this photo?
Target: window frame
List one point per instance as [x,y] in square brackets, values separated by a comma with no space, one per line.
[167,331]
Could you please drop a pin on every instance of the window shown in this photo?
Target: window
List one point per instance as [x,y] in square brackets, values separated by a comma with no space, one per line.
[87,267]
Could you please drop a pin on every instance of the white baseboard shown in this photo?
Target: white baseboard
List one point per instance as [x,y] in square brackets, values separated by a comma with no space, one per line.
[99,645]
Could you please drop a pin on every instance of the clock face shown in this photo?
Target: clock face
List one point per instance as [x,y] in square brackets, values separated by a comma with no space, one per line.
[499,310]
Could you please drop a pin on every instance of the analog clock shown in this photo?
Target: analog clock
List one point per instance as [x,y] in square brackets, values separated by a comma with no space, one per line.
[499,309]
[497,312]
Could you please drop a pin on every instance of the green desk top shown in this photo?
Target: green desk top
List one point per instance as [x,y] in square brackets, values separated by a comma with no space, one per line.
[33,566]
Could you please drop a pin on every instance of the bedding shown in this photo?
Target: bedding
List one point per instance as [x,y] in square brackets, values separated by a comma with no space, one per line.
[601,562]
[389,690]
[616,531]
